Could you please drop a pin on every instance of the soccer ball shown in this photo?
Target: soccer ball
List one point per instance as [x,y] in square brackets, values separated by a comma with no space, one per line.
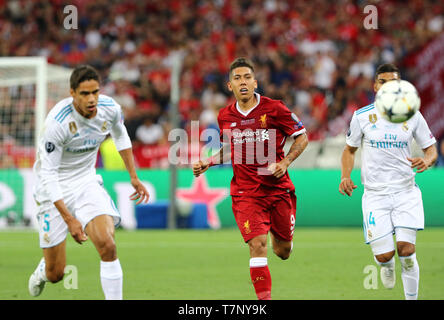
[397,101]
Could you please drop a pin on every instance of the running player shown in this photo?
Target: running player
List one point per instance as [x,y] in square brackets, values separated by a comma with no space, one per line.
[70,196]
[254,130]
[392,202]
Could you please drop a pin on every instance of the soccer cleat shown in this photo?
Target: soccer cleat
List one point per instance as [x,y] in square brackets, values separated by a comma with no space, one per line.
[388,277]
[36,284]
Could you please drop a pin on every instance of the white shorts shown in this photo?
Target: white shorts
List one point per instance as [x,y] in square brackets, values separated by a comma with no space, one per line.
[85,203]
[382,213]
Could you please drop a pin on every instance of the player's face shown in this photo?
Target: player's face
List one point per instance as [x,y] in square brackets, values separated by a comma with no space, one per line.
[86,97]
[383,78]
[242,83]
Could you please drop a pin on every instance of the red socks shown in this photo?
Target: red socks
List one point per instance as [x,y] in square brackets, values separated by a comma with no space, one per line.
[261,278]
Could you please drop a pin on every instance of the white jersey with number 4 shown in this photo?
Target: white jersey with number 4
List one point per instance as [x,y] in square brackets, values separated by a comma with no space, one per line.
[68,146]
[386,147]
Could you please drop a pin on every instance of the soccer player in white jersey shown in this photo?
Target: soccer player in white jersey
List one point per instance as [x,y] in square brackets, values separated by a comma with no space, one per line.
[70,196]
[392,202]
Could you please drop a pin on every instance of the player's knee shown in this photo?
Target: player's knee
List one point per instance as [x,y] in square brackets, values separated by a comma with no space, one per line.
[405,249]
[385,257]
[282,252]
[55,274]
[258,246]
[107,249]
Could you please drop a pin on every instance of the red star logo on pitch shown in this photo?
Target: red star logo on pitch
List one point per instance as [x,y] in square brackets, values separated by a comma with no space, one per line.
[201,193]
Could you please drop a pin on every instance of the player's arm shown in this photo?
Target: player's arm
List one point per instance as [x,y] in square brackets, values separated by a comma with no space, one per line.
[141,194]
[220,157]
[74,226]
[119,134]
[353,140]
[430,157]
[347,163]
[298,146]
[50,154]
[424,137]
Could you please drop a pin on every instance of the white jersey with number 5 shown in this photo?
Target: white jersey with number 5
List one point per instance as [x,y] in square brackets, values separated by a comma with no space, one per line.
[68,146]
[386,147]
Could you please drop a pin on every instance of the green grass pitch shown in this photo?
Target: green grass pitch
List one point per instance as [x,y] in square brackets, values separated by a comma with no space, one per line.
[326,263]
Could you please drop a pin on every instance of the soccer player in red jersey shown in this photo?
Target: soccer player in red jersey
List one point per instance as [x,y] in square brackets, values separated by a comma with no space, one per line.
[254,130]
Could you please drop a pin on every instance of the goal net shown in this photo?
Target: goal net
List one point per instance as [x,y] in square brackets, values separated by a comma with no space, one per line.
[29,87]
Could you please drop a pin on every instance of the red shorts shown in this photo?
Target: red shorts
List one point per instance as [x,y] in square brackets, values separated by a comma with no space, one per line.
[257,215]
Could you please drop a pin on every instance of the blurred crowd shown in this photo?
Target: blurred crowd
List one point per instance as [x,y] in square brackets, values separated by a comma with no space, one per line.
[316,56]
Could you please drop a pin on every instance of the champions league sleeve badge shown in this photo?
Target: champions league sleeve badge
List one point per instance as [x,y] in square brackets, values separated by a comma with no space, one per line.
[49,146]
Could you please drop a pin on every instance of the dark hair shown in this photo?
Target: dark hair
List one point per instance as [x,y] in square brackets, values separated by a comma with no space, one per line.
[83,73]
[241,62]
[387,67]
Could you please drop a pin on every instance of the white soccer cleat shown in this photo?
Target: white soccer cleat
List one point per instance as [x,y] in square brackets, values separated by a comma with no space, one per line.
[388,277]
[36,284]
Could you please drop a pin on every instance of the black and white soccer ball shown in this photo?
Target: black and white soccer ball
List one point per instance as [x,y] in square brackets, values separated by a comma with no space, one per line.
[397,101]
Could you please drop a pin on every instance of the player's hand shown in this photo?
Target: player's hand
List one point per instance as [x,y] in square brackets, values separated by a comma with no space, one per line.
[420,164]
[347,186]
[141,194]
[278,169]
[76,230]
[200,167]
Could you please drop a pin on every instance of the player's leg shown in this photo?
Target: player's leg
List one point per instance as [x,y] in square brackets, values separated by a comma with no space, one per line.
[405,241]
[253,222]
[281,248]
[378,232]
[100,231]
[51,268]
[384,251]
[283,218]
[259,271]
[408,217]
[52,236]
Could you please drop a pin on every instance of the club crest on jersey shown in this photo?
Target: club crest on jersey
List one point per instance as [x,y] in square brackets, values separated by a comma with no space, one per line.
[263,120]
[72,127]
[405,127]
[372,118]
[104,126]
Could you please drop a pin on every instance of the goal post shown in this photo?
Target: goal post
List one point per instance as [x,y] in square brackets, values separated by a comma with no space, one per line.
[29,87]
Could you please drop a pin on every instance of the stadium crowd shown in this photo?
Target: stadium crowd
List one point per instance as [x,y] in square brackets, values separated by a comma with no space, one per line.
[317,56]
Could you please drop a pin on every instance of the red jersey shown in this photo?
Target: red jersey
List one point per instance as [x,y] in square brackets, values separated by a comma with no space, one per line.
[257,139]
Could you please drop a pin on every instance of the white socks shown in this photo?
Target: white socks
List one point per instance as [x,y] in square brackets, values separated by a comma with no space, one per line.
[258,262]
[111,276]
[410,276]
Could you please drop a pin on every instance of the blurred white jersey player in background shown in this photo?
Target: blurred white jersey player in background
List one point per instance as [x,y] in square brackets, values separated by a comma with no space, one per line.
[392,202]
[70,196]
